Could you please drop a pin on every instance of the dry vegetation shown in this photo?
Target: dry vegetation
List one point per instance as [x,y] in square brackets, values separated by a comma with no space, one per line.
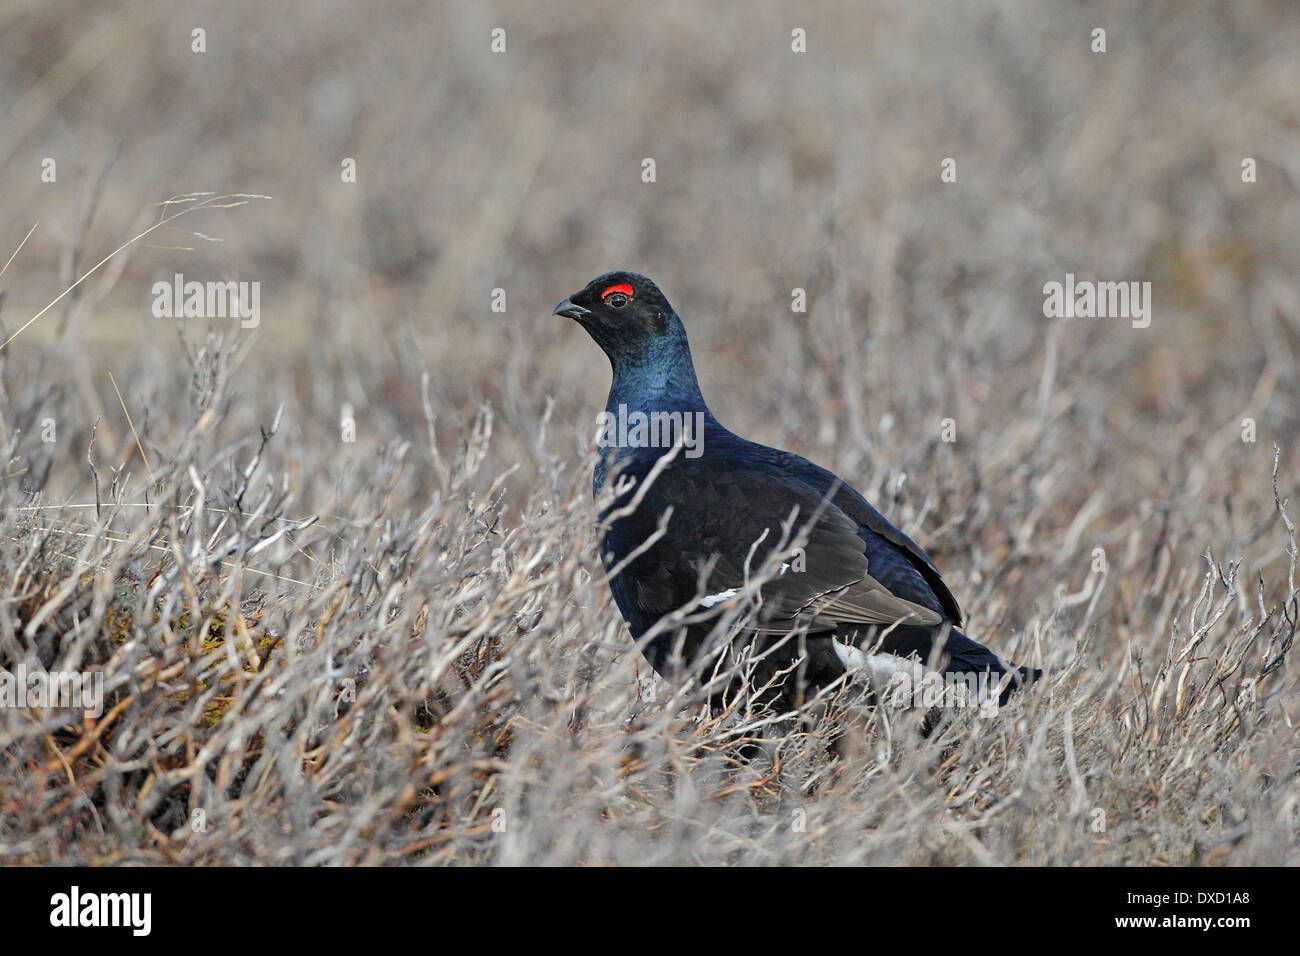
[320,652]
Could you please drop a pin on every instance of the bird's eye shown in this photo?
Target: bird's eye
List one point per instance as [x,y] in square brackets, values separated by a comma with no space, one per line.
[617,296]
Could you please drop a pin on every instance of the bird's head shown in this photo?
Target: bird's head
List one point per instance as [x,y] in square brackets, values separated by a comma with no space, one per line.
[624,312]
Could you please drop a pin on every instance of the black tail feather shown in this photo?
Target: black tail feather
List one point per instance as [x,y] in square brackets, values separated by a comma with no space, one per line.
[958,654]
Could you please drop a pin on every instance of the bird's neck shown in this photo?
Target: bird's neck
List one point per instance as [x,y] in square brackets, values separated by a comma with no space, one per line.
[654,405]
[658,376]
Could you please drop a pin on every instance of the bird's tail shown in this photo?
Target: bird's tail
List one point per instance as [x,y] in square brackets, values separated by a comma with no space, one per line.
[958,654]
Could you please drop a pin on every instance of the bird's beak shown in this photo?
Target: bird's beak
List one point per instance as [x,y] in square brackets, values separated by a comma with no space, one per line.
[569,310]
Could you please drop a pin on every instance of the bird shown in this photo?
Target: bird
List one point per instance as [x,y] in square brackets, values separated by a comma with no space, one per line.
[696,510]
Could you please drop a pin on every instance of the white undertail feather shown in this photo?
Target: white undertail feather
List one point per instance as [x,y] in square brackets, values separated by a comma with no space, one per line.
[880,668]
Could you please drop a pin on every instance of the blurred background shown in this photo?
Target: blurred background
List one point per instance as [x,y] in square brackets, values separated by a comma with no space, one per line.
[774,170]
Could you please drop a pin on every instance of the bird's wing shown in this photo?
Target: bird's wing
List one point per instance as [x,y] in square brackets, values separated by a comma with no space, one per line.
[727,520]
[852,503]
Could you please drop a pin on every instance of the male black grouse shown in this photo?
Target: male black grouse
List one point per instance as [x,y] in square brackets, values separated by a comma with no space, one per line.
[859,593]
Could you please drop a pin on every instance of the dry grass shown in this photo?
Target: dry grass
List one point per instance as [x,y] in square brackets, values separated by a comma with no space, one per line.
[374,684]
[400,649]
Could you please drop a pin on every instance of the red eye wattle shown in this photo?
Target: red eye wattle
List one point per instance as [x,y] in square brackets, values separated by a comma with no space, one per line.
[621,287]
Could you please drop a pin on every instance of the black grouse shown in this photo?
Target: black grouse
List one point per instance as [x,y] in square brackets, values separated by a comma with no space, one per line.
[855,592]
